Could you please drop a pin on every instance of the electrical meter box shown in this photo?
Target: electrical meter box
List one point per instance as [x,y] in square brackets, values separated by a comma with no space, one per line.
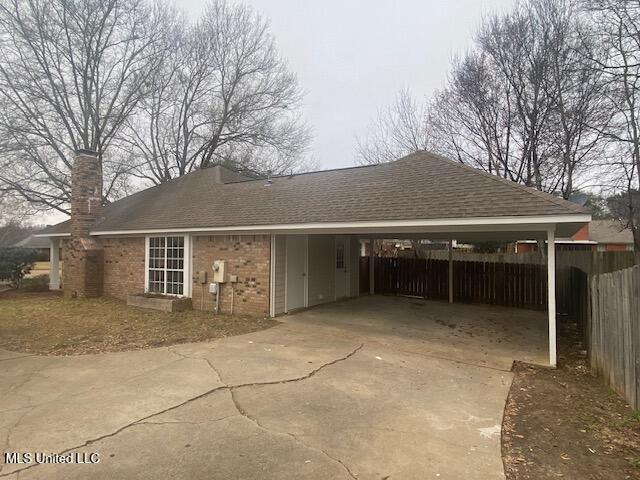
[219,271]
[200,277]
[213,288]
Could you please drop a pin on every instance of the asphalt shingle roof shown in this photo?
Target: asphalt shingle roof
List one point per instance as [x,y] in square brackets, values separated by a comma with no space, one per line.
[609,231]
[420,186]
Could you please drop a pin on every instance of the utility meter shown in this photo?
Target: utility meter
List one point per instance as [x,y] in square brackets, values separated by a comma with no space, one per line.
[219,271]
[200,277]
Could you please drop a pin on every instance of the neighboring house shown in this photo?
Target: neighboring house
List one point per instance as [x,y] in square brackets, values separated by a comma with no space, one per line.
[42,244]
[387,247]
[289,242]
[598,235]
[409,248]
[610,236]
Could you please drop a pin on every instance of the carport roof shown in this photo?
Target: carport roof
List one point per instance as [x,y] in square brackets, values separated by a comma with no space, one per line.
[419,187]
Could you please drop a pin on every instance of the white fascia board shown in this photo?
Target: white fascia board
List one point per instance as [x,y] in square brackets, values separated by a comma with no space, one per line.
[531,223]
[563,242]
[47,235]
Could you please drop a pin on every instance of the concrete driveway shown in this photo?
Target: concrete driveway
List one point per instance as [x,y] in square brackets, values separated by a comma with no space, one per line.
[340,392]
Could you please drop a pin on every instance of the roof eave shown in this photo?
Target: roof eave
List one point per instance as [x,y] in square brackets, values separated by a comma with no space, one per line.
[453,225]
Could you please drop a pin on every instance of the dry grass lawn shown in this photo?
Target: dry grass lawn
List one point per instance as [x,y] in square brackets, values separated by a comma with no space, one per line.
[45,323]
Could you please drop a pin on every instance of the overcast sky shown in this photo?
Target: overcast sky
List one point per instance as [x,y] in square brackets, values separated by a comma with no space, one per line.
[353,56]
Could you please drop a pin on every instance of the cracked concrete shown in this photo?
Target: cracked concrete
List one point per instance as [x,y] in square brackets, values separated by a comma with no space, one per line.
[300,400]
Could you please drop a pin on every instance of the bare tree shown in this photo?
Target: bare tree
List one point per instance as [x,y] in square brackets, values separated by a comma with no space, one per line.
[624,206]
[519,45]
[579,113]
[71,74]
[223,95]
[473,118]
[524,102]
[616,29]
[399,130]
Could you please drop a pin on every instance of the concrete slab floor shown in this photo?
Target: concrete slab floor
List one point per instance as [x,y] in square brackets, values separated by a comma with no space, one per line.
[335,392]
[487,335]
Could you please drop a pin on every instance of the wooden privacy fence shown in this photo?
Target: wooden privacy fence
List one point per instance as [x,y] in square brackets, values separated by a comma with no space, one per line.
[572,296]
[587,261]
[613,339]
[509,284]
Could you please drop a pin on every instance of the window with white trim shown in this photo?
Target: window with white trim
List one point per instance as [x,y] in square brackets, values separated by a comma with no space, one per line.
[166,265]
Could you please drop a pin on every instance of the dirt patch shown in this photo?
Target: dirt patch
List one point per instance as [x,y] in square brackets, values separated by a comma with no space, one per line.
[564,423]
[46,323]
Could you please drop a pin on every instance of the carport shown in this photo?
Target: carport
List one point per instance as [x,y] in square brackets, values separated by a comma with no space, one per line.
[421,196]
[317,264]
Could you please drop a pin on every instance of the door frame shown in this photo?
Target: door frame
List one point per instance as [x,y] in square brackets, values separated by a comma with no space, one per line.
[305,286]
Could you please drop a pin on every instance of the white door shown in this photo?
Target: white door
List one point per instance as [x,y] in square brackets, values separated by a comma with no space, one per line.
[342,266]
[296,275]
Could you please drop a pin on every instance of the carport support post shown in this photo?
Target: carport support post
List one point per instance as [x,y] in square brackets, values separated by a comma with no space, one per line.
[54,264]
[551,294]
[450,271]
[371,267]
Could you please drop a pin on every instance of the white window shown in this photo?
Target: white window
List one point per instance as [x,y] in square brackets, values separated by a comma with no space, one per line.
[166,263]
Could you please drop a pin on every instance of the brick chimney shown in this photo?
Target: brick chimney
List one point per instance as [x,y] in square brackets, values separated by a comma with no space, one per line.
[83,268]
[86,192]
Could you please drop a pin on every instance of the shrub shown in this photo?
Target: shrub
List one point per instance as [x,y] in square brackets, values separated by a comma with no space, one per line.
[15,263]
[39,283]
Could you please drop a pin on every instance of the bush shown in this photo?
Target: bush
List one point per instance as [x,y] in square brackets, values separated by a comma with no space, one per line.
[15,263]
[36,284]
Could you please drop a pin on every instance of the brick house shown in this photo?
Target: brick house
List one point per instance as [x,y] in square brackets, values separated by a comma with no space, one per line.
[596,236]
[289,242]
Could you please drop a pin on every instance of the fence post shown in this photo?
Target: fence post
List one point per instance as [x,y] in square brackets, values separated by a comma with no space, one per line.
[551,296]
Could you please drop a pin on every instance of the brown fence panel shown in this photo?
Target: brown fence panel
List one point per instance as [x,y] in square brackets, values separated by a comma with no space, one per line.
[519,285]
[510,284]
[613,339]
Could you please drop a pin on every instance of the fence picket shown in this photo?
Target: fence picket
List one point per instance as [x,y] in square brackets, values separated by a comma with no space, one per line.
[478,282]
[613,339]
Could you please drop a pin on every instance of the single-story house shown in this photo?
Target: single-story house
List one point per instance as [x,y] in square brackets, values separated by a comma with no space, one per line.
[596,236]
[287,242]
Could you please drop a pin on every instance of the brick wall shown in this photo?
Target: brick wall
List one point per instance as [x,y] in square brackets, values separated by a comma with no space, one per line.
[83,273]
[123,266]
[248,257]
[582,234]
[86,193]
